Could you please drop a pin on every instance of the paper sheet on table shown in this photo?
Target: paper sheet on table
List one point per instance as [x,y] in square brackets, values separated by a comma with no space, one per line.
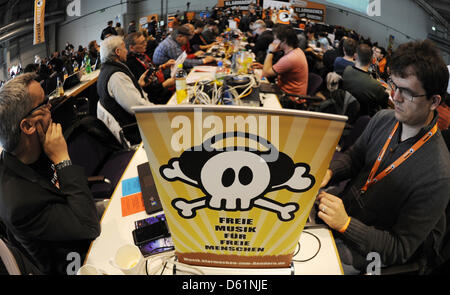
[205,69]
[232,24]
[180,60]
[131,186]
[201,73]
[132,204]
[194,77]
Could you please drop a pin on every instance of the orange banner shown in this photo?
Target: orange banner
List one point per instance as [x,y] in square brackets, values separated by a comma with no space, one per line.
[39,19]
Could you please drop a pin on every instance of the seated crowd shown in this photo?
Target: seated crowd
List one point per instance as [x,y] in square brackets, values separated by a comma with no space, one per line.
[46,207]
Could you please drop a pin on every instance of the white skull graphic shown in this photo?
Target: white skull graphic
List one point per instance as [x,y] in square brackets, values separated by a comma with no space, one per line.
[236,178]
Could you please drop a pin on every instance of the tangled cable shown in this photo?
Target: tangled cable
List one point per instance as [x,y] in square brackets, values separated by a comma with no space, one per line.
[220,94]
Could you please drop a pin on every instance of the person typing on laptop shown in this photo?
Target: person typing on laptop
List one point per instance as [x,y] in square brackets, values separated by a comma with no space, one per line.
[399,171]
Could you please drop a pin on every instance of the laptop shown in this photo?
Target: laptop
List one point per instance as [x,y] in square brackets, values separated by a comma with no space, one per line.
[50,84]
[71,81]
[237,184]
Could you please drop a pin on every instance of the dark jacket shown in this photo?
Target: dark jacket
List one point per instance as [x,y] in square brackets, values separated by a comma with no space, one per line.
[47,222]
[108,31]
[262,43]
[370,94]
[110,104]
[401,217]
[197,41]
[209,36]
[138,64]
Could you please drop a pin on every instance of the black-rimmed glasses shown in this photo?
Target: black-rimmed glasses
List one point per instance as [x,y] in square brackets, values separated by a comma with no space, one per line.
[404,92]
[44,103]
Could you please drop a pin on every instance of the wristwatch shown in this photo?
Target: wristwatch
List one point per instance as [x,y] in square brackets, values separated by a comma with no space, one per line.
[63,164]
[268,51]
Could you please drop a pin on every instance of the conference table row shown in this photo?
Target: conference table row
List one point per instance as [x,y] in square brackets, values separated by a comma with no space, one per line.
[316,252]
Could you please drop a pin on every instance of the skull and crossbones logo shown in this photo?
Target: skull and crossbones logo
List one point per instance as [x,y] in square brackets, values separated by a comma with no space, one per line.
[237,179]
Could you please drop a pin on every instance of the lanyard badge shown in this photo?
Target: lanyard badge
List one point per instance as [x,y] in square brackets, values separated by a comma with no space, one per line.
[372,179]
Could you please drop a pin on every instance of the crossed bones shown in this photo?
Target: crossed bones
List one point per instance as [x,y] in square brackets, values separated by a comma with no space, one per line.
[285,212]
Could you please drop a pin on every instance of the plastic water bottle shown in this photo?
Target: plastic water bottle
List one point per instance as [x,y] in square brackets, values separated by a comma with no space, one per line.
[59,87]
[66,74]
[220,72]
[180,84]
[235,63]
[87,62]
[75,67]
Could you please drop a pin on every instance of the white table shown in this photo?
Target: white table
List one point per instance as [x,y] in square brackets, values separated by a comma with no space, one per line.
[86,81]
[268,100]
[116,232]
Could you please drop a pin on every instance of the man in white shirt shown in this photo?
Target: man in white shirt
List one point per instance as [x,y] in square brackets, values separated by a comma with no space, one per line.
[119,90]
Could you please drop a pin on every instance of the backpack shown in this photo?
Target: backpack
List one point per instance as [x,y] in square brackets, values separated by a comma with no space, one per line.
[341,102]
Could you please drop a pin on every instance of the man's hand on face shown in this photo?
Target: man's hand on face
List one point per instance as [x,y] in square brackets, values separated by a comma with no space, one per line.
[53,142]
[275,46]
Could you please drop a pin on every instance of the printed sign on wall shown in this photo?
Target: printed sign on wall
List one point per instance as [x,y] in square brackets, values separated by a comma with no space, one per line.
[39,22]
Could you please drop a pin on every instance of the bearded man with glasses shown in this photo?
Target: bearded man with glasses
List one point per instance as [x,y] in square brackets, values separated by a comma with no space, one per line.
[45,202]
[399,170]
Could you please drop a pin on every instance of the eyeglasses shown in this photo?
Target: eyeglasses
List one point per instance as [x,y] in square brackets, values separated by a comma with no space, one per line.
[142,42]
[404,92]
[44,103]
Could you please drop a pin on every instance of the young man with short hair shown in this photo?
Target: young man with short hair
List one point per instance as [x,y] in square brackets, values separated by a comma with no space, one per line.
[341,63]
[357,80]
[399,171]
[292,69]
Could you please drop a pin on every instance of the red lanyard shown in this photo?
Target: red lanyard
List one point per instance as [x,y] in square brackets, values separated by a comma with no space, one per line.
[144,63]
[203,40]
[373,179]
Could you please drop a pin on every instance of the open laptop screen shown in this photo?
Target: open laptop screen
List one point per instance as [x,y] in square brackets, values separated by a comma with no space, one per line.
[237,183]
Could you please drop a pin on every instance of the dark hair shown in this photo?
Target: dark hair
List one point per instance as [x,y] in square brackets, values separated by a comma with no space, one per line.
[364,54]
[181,30]
[349,46]
[382,51]
[31,68]
[130,39]
[198,24]
[286,34]
[92,46]
[423,60]
[310,30]
[110,22]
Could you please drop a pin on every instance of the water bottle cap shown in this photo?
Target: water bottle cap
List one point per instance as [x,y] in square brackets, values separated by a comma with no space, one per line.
[220,63]
[180,66]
